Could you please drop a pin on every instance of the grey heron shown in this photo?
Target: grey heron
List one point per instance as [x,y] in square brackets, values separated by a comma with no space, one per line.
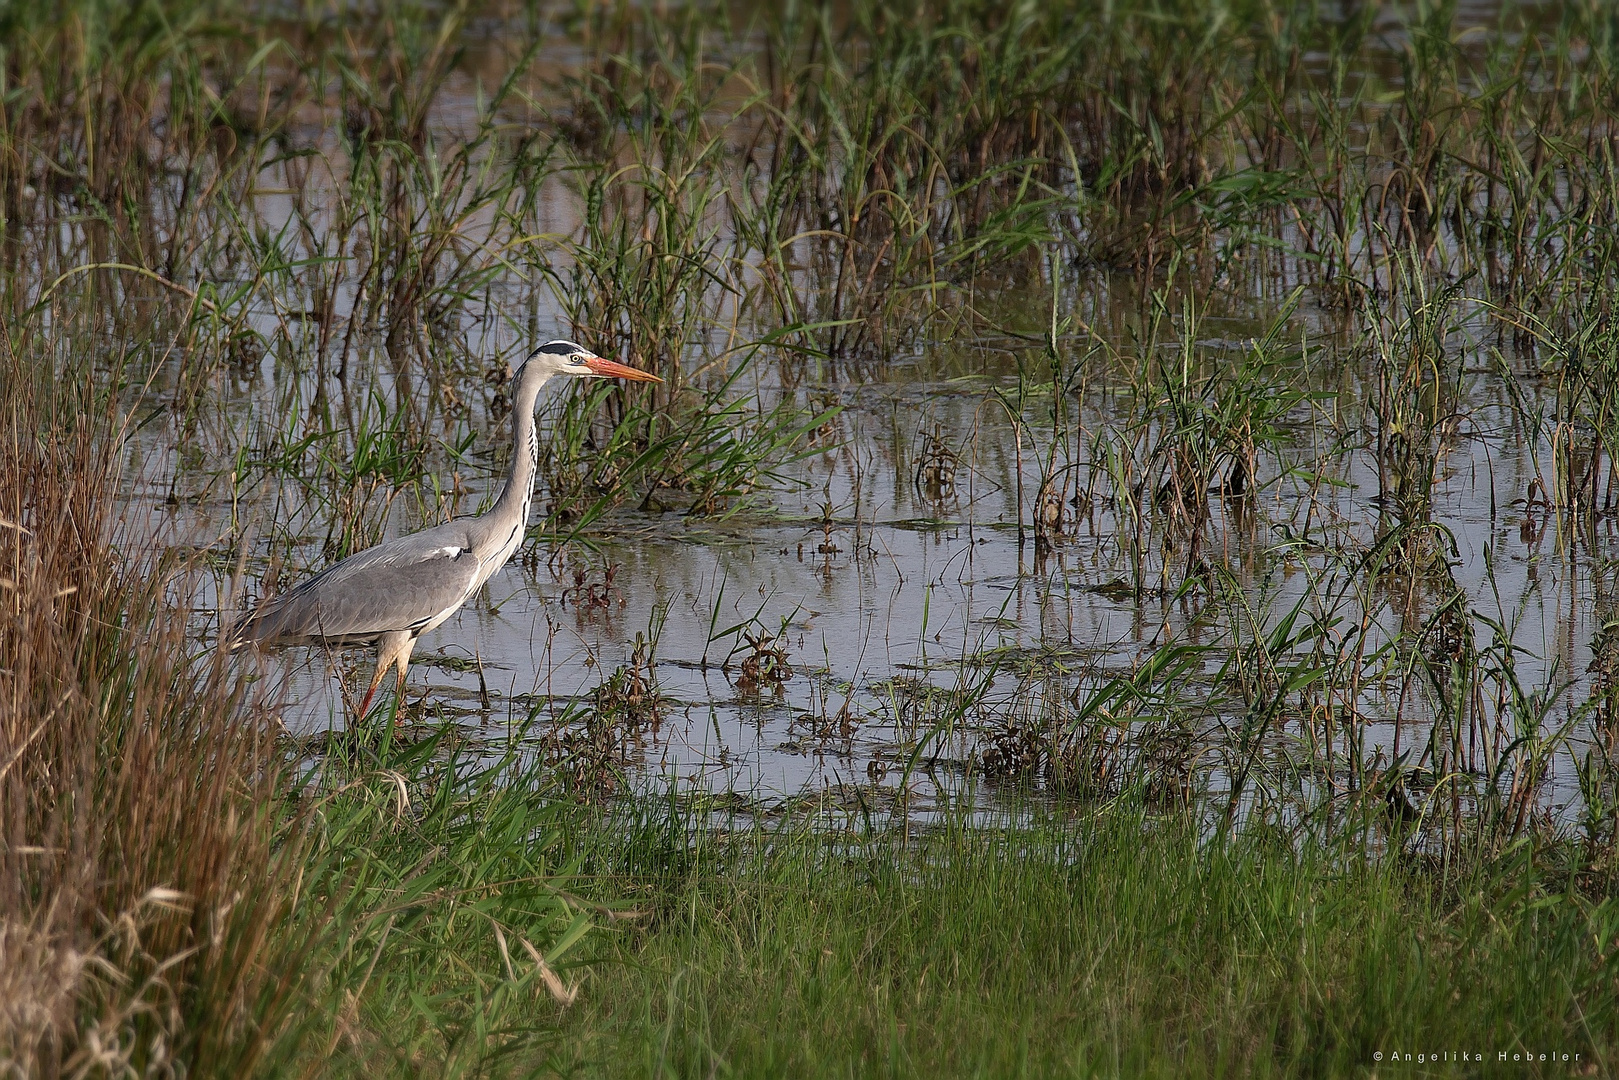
[392,594]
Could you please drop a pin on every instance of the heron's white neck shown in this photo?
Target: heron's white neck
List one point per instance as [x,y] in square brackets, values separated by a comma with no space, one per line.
[511,507]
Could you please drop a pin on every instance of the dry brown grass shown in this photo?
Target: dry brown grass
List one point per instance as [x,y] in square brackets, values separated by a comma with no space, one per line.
[148,866]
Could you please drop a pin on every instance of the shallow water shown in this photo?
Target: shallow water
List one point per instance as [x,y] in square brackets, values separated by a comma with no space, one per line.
[873,588]
[888,593]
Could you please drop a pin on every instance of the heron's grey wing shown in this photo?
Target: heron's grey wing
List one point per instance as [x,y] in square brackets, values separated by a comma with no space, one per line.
[401,585]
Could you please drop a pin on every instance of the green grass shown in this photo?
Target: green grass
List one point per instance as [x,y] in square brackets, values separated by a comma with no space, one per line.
[1104,942]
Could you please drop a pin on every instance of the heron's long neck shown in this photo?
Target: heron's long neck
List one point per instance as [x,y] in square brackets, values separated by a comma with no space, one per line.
[512,506]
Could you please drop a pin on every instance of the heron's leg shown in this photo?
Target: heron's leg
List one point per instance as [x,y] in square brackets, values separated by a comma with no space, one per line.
[403,662]
[376,681]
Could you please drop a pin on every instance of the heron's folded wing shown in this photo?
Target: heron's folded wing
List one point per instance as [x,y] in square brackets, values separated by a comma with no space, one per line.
[394,586]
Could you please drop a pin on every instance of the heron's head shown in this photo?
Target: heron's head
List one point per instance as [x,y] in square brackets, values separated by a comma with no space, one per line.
[567,358]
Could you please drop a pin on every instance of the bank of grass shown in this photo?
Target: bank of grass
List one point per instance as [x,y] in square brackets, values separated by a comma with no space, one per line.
[1103,942]
[183,890]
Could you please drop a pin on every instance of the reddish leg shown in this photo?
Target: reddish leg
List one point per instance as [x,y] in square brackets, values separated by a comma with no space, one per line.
[365,705]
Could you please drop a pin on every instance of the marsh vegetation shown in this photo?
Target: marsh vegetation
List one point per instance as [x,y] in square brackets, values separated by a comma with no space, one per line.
[1118,577]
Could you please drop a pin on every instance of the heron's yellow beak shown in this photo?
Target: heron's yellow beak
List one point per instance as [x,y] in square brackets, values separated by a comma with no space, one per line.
[611,370]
